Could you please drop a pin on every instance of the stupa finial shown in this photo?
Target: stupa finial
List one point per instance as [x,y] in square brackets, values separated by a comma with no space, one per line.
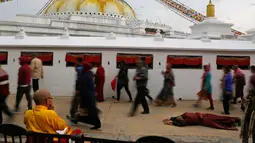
[210,9]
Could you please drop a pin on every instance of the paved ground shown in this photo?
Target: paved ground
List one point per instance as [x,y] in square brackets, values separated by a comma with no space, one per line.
[116,124]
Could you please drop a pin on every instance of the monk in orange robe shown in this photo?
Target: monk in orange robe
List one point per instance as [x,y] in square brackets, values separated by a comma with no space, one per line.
[43,118]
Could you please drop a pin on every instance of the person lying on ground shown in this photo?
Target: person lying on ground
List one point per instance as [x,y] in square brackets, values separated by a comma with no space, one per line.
[204,119]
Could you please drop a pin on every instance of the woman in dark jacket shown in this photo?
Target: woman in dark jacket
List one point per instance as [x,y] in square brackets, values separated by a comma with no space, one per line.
[122,81]
[88,112]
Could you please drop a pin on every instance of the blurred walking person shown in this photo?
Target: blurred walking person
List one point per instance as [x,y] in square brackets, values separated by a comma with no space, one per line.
[227,89]
[123,81]
[36,66]
[206,89]
[76,98]
[166,96]
[141,79]
[248,129]
[99,81]
[24,87]
[4,93]
[239,81]
[88,112]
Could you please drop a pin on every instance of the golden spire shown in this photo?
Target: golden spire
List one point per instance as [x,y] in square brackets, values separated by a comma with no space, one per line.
[210,10]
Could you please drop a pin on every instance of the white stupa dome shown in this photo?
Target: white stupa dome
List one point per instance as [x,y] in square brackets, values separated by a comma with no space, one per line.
[117,7]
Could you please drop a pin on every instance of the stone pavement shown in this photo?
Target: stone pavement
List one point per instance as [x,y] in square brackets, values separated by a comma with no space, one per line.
[117,125]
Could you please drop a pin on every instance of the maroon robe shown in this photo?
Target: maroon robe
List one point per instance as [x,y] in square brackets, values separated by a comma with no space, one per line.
[210,120]
[220,122]
[99,81]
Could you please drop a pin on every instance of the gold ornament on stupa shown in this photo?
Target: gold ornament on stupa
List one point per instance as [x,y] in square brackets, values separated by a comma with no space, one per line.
[118,7]
[91,6]
[210,9]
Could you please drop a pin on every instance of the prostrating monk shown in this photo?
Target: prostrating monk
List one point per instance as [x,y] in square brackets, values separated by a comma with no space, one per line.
[206,89]
[88,111]
[248,129]
[43,118]
[24,79]
[239,80]
[122,81]
[4,93]
[208,120]
[99,81]
[167,91]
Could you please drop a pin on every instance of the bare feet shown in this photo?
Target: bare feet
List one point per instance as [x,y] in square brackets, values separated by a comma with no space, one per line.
[168,122]
[165,120]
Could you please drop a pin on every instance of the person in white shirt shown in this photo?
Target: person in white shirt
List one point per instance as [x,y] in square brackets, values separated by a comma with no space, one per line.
[37,71]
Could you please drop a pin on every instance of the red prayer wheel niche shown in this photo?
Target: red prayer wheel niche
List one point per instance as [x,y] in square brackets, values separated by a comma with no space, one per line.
[226,61]
[148,60]
[119,58]
[3,56]
[92,58]
[27,56]
[73,57]
[131,59]
[46,57]
[175,60]
[192,61]
[243,61]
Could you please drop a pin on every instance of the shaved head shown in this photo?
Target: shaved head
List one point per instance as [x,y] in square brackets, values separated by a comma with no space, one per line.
[41,96]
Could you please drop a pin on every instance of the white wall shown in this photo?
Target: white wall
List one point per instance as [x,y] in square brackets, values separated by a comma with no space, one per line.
[59,79]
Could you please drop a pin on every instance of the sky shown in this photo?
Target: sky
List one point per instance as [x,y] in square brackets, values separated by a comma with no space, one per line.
[239,12]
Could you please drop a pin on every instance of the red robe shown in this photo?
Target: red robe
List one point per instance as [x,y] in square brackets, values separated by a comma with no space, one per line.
[99,81]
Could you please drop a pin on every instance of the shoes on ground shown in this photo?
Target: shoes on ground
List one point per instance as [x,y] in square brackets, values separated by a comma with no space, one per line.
[145,112]
[95,128]
[210,108]
[225,113]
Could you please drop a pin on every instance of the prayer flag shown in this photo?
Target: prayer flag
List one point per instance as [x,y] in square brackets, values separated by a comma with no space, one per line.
[2,1]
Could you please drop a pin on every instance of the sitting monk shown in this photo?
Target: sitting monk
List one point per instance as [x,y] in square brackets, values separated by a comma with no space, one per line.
[43,118]
[208,120]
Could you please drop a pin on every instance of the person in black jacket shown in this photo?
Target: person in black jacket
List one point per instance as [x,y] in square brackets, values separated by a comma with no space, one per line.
[88,111]
[122,81]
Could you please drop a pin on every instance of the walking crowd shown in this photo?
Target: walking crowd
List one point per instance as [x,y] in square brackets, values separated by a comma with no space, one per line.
[89,89]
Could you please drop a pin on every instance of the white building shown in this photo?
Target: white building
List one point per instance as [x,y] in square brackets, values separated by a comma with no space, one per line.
[68,35]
